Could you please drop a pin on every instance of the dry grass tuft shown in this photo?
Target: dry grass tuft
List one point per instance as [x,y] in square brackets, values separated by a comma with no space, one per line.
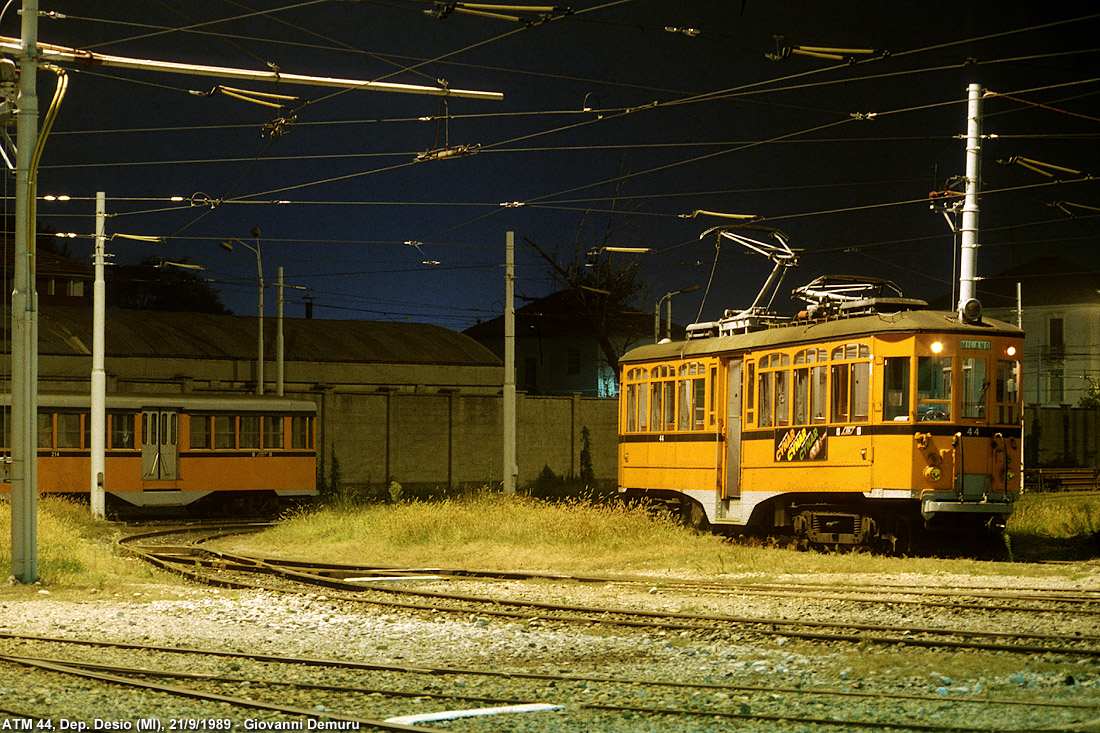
[73,549]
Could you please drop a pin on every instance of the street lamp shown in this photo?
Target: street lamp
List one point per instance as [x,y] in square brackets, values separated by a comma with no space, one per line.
[668,320]
[227,245]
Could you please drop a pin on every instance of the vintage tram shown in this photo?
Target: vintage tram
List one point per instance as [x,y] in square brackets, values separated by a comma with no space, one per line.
[867,420]
[175,450]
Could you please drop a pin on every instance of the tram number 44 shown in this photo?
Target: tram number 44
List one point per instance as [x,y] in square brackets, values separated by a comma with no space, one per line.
[972,432]
[26,724]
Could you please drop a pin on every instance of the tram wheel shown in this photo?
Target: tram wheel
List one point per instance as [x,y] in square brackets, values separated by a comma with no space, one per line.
[693,515]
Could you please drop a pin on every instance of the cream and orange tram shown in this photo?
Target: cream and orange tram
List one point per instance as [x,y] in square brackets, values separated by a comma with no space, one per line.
[866,423]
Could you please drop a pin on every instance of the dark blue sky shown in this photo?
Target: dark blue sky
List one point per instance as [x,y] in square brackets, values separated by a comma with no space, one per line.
[732,130]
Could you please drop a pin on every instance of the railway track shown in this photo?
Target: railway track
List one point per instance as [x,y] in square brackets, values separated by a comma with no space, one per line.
[271,688]
[391,588]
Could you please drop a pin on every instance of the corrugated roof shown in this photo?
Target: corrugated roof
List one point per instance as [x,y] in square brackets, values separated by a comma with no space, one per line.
[66,330]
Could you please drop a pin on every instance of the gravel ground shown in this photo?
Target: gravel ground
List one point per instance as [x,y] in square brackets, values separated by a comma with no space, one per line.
[319,627]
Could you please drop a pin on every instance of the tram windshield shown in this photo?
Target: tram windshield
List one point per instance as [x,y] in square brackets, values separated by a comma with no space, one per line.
[934,388]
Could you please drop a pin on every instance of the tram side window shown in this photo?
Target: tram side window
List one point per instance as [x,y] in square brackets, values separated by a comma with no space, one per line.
[45,430]
[250,432]
[225,437]
[631,408]
[750,392]
[301,432]
[766,380]
[273,432]
[68,430]
[1008,392]
[934,388]
[851,384]
[200,431]
[895,388]
[975,387]
[122,430]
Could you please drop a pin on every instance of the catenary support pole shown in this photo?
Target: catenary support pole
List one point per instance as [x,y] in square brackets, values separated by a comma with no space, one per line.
[508,465]
[279,363]
[98,429]
[968,231]
[24,316]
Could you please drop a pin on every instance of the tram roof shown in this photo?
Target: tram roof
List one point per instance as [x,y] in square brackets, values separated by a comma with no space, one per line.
[806,332]
[67,330]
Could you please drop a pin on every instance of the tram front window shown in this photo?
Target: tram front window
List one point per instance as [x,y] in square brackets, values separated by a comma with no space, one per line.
[934,388]
[975,387]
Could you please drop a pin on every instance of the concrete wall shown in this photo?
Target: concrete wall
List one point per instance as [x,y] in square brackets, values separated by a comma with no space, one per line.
[1068,436]
[452,439]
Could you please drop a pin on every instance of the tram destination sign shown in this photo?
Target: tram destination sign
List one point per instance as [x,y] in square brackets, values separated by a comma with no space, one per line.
[983,345]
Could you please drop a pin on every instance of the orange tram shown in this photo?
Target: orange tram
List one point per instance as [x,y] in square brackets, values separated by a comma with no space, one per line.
[176,450]
[866,424]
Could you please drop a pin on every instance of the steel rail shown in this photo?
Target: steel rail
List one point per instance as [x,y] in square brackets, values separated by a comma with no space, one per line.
[67,669]
[532,676]
[109,673]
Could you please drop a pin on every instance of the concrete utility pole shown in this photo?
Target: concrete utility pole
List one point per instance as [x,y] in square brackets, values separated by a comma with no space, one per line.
[508,465]
[24,317]
[98,429]
[968,231]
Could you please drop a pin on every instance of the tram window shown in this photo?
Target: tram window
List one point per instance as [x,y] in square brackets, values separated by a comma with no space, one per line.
[224,432]
[45,430]
[643,407]
[200,431]
[861,391]
[819,394]
[800,394]
[301,432]
[841,392]
[273,432]
[713,393]
[766,381]
[782,404]
[250,432]
[683,415]
[934,388]
[1008,392]
[975,387]
[122,430]
[699,402]
[631,407]
[655,405]
[68,430]
[750,391]
[669,407]
[5,433]
[895,388]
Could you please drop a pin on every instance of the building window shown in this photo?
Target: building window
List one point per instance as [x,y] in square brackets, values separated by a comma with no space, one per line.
[573,361]
[1056,391]
[1056,337]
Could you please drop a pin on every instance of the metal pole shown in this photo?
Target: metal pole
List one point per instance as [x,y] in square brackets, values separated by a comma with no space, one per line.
[279,339]
[657,322]
[98,429]
[968,258]
[24,306]
[509,463]
[260,318]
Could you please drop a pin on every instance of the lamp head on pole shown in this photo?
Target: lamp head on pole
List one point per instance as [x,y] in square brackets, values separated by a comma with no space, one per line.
[227,245]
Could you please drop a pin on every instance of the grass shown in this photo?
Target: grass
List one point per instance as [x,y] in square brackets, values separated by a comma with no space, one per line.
[1062,526]
[73,550]
[496,532]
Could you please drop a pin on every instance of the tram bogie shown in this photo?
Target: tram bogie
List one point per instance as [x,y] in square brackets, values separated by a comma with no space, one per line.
[861,429]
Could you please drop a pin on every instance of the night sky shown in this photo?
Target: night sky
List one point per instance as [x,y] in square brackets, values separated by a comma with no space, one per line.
[612,127]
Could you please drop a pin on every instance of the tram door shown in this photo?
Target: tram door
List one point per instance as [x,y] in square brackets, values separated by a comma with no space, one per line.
[159,445]
[733,430]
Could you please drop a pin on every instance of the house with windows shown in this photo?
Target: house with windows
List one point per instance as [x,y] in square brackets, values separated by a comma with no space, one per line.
[59,280]
[1059,308]
[558,350]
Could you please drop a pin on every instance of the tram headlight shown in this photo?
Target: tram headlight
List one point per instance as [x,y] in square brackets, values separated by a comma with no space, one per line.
[1011,351]
[937,347]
